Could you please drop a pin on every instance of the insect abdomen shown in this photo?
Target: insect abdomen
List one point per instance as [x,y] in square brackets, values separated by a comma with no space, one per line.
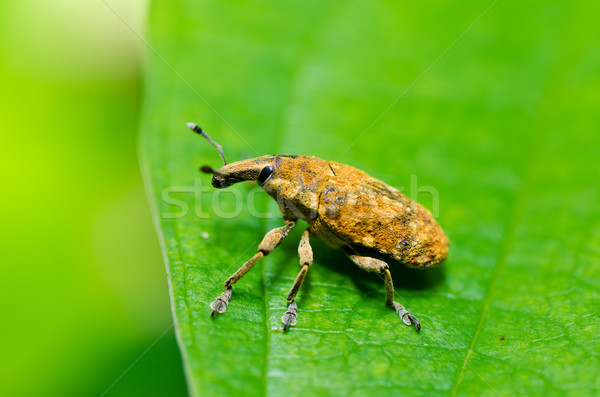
[366,214]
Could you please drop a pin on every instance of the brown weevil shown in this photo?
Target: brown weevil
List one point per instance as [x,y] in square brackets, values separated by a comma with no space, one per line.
[372,222]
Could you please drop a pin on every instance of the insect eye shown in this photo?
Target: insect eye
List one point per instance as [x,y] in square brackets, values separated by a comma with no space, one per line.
[265,174]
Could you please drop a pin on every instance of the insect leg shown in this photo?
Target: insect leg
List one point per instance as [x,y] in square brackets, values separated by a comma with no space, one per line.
[271,240]
[375,265]
[306,258]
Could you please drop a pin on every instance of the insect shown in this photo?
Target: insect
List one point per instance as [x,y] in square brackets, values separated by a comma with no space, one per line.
[372,222]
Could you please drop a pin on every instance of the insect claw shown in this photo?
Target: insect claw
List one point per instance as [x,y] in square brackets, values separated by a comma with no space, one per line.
[219,305]
[289,318]
[406,317]
[417,324]
[409,319]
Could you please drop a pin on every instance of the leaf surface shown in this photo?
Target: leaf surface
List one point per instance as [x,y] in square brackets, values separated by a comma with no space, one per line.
[487,119]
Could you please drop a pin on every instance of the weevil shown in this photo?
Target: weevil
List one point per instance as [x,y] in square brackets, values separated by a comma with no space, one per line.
[371,221]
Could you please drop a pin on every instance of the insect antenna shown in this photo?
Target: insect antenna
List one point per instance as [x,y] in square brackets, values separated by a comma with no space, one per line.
[209,170]
[196,128]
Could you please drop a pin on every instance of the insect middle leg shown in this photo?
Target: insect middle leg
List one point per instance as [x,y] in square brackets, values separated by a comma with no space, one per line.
[306,259]
[271,240]
[375,265]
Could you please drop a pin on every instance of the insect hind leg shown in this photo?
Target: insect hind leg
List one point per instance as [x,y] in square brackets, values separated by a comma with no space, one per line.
[376,265]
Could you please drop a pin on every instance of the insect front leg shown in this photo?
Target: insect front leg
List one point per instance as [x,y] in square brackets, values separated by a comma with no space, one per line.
[271,240]
[375,265]
[306,259]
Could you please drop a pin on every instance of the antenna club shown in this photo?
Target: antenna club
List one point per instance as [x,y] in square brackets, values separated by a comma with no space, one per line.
[195,127]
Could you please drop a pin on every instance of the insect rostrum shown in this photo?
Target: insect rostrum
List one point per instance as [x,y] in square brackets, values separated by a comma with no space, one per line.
[372,222]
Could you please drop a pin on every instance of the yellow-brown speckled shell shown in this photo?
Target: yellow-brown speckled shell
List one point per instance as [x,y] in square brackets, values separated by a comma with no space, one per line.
[356,210]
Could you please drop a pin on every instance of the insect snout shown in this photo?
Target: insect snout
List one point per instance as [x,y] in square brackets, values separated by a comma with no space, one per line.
[220,179]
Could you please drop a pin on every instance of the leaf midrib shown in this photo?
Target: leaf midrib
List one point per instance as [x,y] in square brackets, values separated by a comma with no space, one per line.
[517,214]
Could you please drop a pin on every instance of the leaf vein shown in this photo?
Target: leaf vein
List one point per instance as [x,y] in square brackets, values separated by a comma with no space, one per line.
[508,241]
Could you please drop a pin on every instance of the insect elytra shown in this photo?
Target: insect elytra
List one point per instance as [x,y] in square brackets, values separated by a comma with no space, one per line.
[372,222]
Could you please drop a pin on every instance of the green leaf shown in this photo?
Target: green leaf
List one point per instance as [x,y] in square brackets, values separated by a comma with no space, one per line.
[497,114]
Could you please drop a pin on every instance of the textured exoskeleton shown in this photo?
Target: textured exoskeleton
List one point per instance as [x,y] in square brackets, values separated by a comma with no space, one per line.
[371,221]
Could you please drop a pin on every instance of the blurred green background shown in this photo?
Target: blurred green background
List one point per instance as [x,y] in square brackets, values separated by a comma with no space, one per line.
[83,289]
[504,126]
